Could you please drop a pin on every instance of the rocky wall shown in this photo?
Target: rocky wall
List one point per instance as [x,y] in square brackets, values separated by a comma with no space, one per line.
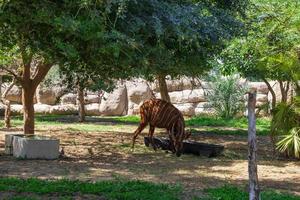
[188,96]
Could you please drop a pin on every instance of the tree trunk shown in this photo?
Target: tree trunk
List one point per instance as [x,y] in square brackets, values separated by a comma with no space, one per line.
[28,109]
[1,85]
[252,149]
[297,88]
[284,91]
[272,93]
[80,98]
[7,114]
[163,89]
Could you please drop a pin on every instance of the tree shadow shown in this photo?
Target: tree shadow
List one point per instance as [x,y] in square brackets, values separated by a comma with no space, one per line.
[112,157]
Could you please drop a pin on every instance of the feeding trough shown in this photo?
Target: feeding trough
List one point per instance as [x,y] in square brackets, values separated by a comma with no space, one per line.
[189,147]
[32,146]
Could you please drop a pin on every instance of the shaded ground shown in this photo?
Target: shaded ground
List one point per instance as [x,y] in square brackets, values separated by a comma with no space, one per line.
[104,154]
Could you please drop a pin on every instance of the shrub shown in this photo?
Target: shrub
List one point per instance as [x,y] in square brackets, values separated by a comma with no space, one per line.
[226,96]
[286,125]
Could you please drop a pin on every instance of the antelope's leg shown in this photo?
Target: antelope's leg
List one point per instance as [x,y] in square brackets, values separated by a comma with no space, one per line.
[151,132]
[137,132]
[172,139]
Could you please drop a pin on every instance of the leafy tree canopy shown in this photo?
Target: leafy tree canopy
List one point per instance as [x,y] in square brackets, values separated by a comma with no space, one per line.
[270,50]
[176,37]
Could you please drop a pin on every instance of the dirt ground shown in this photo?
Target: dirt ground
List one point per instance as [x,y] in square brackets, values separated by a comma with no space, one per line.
[105,155]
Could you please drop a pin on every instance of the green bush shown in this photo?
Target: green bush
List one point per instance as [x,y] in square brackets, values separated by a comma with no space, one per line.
[226,96]
[285,128]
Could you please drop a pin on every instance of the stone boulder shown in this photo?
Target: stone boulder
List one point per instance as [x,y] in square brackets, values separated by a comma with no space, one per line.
[42,108]
[49,95]
[187,109]
[16,109]
[184,83]
[137,93]
[188,96]
[133,109]
[203,108]
[262,98]
[68,98]
[91,99]
[14,95]
[66,109]
[92,109]
[114,103]
[261,87]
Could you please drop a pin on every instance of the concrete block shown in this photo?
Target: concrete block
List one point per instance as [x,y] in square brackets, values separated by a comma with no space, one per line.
[35,147]
[9,142]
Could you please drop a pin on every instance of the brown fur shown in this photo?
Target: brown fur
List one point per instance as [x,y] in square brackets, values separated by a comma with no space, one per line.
[162,114]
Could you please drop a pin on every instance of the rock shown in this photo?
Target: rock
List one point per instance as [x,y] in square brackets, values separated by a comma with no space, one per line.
[203,108]
[14,95]
[137,92]
[262,113]
[91,99]
[133,109]
[49,96]
[184,83]
[92,109]
[114,103]
[187,109]
[262,98]
[261,87]
[2,109]
[42,108]
[69,98]
[188,96]
[66,109]
[16,109]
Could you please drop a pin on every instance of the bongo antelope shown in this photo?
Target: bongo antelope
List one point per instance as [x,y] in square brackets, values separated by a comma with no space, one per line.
[162,114]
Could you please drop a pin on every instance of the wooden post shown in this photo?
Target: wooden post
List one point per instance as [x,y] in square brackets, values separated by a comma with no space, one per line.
[252,149]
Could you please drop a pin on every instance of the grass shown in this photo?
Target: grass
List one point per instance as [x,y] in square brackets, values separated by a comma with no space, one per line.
[241,124]
[122,189]
[209,124]
[115,189]
[229,192]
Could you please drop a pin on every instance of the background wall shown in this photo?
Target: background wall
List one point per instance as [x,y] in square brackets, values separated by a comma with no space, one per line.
[188,97]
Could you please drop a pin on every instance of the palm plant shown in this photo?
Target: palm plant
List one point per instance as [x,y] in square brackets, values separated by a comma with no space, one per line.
[285,127]
[290,143]
[226,95]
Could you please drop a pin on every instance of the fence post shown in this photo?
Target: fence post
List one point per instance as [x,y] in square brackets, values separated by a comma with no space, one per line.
[252,148]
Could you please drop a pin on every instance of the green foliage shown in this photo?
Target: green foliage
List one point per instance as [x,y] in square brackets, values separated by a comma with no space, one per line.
[286,124]
[270,48]
[229,192]
[226,96]
[73,34]
[177,37]
[53,78]
[290,143]
[116,189]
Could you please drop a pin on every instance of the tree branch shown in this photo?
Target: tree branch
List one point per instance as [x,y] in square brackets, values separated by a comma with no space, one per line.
[10,86]
[272,92]
[14,74]
[41,72]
